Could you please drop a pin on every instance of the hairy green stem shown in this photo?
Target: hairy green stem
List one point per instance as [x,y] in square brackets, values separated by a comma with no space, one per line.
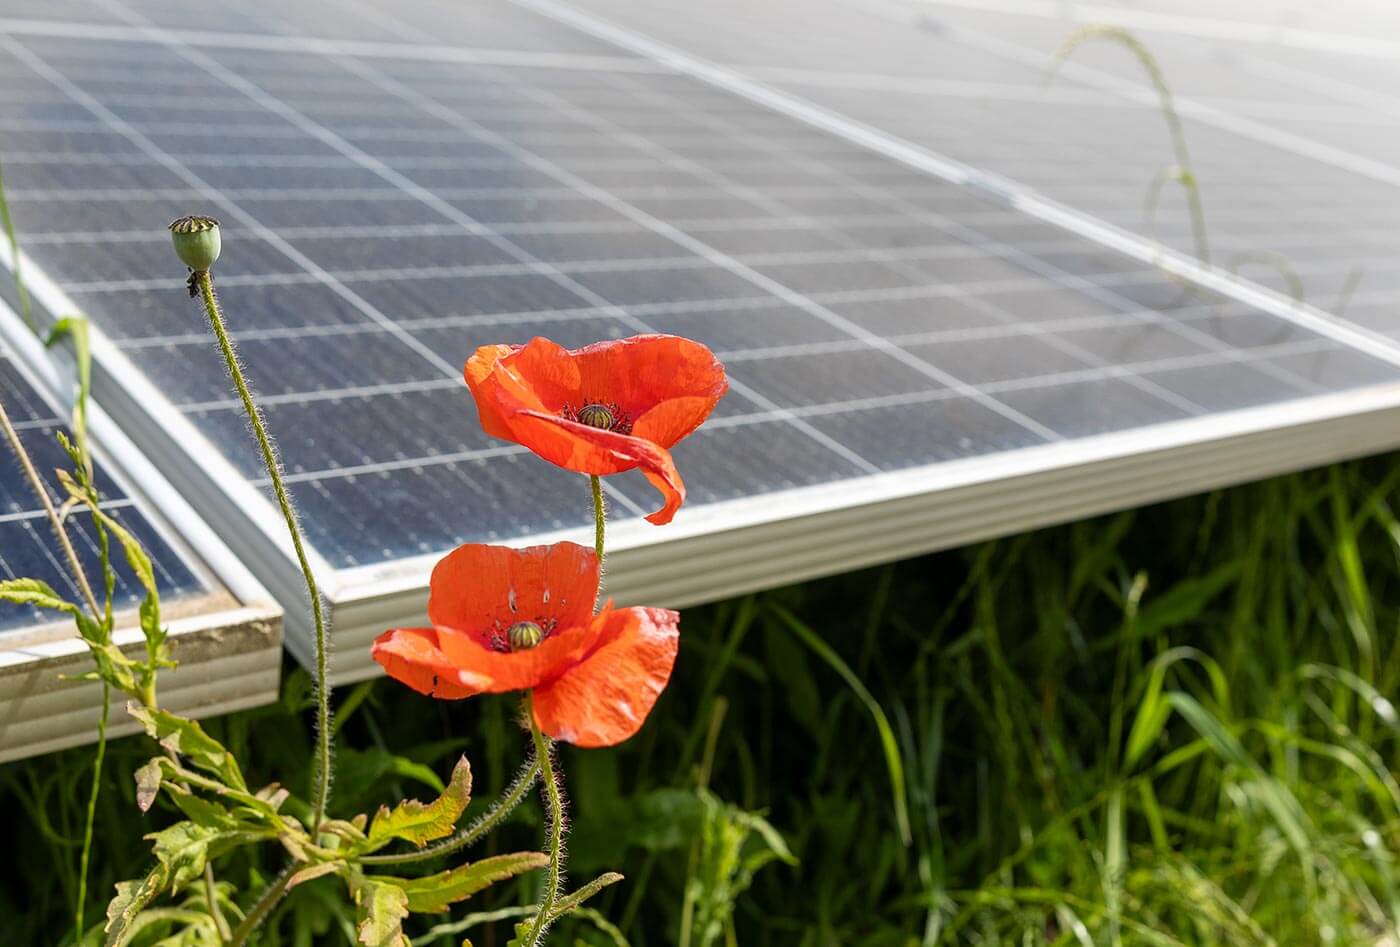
[493,817]
[555,802]
[260,909]
[599,520]
[323,691]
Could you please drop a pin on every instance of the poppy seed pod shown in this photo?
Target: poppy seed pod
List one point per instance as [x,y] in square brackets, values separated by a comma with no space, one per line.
[197,241]
[524,635]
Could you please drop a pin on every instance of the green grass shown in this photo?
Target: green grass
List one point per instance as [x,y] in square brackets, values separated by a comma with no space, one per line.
[1172,726]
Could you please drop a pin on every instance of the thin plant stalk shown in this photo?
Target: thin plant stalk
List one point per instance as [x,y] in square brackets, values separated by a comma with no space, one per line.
[555,801]
[323,712]
[90,819]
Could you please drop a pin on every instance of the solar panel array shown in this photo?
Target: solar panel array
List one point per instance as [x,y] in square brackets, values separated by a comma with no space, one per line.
[385,215]
[26,541]
[398,187]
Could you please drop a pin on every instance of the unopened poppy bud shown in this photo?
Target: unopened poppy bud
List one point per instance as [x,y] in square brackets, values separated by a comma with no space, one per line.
[197,241]
[524,635]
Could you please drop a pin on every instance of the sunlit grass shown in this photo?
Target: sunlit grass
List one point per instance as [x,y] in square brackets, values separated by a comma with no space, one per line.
[1174,726]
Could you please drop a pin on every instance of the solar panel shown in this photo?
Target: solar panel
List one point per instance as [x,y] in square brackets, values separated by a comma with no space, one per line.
[920,355]
[224,628]
[1292,129]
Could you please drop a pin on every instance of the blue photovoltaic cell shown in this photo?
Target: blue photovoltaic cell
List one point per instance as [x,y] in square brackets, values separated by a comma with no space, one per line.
[386,213]
[28,548]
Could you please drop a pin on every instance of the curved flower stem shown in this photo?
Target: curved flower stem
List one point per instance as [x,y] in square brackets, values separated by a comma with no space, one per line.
[323,690]
[493,817]
[555,801]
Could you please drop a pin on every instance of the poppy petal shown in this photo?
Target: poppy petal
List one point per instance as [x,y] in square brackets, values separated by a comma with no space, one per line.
[482,590]
[604,700]
[585,449]
[487,671]
[412,656]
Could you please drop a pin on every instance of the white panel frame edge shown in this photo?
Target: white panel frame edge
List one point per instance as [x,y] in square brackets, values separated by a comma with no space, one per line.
[228,649]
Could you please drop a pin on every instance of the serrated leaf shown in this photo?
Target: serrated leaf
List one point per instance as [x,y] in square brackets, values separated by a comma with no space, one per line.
[382,906]
[421,823]
[132,897]
[434,893]
[148,779]
[188,739]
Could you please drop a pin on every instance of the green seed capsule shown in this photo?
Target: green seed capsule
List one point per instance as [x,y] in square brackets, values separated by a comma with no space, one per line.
[197,241]
[596,415]
[524,635]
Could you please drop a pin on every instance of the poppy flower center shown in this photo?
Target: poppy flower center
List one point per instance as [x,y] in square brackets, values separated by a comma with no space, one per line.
[597,415]
[524,635]
[604,415]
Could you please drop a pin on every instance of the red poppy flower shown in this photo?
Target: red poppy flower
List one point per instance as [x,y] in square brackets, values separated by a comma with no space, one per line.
[522,619]
[602,409]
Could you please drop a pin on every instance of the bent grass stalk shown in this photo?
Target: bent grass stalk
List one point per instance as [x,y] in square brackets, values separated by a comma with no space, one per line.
[274,471]
[1184,172]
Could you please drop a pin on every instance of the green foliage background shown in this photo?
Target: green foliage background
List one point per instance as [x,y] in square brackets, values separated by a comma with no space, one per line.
[1171,726]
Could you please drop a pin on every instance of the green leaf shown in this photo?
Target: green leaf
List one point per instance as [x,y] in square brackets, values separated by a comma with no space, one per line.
[419,822]
[132,897]
[183,849]
[148,779]
[189,740]
[382,907]
[36,593]
[433,893]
